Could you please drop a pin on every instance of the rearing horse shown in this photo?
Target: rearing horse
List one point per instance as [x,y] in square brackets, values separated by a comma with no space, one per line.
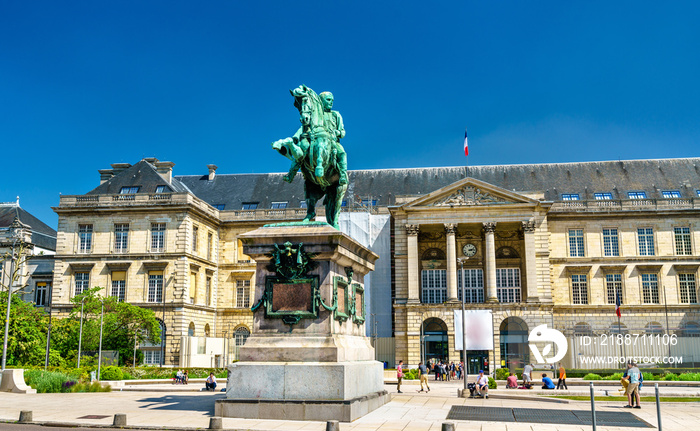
[311,149]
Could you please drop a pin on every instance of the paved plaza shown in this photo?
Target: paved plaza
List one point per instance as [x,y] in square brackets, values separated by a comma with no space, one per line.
[177,407]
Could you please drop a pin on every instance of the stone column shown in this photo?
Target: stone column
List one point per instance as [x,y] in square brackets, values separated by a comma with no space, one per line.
[412,262]
[530,261]
[450,230]
[490,260]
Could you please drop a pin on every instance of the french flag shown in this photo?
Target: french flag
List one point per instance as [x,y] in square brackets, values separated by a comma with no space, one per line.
[617,305]
[466,146]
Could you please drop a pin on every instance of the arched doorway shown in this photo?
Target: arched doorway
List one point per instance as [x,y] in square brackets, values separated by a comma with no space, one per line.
[515,352]
[434,339]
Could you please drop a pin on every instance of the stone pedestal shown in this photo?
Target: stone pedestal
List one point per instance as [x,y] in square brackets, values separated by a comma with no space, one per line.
[308,357]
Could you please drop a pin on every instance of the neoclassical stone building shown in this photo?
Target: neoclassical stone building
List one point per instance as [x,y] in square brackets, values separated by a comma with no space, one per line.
[537,244]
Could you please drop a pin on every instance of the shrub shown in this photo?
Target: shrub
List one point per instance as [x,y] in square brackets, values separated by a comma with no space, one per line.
[111,373]
[591,376]
[502,373]
[671,376]
[492,383]
[413,374]
[689,377]
[46,381]
[616,376]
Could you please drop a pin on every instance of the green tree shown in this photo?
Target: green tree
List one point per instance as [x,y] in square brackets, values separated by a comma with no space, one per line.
[124,323]
[26,341]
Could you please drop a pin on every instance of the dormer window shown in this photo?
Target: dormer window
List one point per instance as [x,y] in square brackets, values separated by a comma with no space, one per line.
[670,194]
[605,196]
[219,207]
[637,195]
[162,189]
[249,205]
[130,190]
[570,197]
[278,205]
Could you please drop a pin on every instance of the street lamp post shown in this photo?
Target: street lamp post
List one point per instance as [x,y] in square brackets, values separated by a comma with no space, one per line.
[99,351]
[464,323]
[48,332]
[16,233]
[80,334]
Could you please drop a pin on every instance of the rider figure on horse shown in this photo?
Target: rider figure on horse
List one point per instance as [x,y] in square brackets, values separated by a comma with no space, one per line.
[336,130]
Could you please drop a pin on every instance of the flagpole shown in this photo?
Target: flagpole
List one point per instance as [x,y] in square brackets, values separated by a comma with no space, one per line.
[466,151]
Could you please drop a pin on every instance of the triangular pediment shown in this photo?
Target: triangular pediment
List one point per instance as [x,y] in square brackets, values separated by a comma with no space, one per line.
[469,192]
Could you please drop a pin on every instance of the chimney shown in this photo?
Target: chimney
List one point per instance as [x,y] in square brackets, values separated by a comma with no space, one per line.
[105,175]
[212,171]
[165,169]
[118,167]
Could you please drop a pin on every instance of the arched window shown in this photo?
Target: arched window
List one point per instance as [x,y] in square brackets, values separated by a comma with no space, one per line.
[190,329]
[434,339]
[620,328]
[206,330]
[433,254]
[689,329]
[654,328]
[241,334]
[582,328]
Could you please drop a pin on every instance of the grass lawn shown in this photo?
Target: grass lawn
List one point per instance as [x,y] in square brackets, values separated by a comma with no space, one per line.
[624,399]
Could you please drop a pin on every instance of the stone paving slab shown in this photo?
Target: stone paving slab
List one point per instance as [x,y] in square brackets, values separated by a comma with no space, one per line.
[406,412]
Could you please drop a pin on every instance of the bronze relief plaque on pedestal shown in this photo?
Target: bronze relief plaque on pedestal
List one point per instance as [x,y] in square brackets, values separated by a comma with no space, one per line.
[292,297]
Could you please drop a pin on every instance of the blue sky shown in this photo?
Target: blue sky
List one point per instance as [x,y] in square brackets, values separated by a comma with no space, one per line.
[87,84]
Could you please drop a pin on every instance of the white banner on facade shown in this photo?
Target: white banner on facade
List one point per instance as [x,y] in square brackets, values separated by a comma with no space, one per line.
[479,329]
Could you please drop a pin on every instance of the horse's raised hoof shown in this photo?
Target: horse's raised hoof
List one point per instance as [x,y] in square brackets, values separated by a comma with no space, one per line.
[288,178]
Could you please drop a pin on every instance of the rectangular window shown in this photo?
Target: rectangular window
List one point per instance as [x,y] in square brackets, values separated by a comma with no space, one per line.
[613,285]
[193,287]
[645,236]
[508,284]
[670,194]
[155,286]
[195,237]
[610,242]
[650,288]
[570,196]
[302,204]
[157,237]
[579,289]
[682,237]
[151,357]
[689,293]
[249,205]
[82,282]
[697,192]
[119,285]
[84,238]
[242,293]
[40,295]
[344,203]
[637,195]
[129,190]
[434,286]
[278,205]
[219,207]
[210,245]
[121,238]
[162,189]
[473,285]
[576,248]
[207,292]
[602,196]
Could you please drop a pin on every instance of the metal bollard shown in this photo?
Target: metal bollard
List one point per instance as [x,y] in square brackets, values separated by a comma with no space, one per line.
[593,407]
[332,426]
[25,416]
[216,423]
[119,420]
[658,406]
[448,426]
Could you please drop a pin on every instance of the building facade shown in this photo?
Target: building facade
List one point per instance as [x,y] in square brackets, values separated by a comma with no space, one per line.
[547,244]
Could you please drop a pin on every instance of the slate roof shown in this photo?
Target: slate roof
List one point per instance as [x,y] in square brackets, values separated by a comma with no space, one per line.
[142,174]
[553,179]
[42,235]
